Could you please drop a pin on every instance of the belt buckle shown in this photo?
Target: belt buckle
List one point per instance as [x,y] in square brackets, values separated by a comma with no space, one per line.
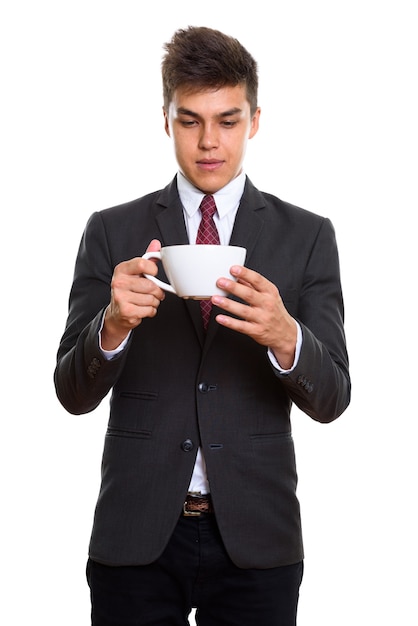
[192,513]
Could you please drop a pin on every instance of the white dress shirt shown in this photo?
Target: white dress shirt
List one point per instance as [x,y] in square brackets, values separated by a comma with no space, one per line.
[227,202]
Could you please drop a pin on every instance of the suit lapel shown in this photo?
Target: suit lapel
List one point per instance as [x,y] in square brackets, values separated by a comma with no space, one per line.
[248,222]
[170,218]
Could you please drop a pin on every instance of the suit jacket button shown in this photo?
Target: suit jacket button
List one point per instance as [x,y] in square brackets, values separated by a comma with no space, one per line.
[187,445]
[203,387]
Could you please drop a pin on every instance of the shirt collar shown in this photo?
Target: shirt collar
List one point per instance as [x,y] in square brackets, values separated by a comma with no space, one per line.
[226,199]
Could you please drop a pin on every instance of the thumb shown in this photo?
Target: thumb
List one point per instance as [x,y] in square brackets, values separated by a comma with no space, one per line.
[154,246]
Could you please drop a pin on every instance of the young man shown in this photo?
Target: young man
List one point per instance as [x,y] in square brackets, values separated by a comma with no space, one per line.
[198,505]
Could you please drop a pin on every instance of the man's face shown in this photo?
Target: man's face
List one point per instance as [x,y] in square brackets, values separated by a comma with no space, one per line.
[210,130]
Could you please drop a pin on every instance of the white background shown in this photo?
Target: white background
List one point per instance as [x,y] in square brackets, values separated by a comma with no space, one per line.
[81,130]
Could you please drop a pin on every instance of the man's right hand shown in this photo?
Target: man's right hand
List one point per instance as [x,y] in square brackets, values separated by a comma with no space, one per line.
[133,297]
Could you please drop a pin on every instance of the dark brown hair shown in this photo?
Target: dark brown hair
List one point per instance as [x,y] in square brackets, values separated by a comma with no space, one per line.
[202,58]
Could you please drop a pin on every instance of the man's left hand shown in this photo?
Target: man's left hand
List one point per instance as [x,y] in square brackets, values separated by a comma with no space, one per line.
[262,314]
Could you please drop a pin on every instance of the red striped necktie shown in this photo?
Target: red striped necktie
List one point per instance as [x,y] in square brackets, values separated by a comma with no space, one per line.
[207,234]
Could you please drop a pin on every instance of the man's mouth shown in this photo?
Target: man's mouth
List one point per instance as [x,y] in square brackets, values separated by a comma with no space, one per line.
[209,165]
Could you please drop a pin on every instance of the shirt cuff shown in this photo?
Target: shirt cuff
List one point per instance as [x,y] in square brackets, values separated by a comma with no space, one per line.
[273,359]
[110,354]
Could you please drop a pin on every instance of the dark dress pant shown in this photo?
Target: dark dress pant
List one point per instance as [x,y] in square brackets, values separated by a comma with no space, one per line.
[194,571]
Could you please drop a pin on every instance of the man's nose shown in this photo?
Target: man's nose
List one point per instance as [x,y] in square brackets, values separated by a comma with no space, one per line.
[209,137]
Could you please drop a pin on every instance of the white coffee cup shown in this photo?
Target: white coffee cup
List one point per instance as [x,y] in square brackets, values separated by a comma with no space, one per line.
[194,269]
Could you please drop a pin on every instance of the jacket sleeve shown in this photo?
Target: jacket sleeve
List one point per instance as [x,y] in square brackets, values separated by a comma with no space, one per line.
[82,376]
[320,383]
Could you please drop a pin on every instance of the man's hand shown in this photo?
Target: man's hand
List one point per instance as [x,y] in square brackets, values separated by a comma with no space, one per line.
[263,316]
[133,297]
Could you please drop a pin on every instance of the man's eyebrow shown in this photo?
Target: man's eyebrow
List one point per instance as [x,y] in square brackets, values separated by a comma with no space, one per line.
[183,111]
[228,113]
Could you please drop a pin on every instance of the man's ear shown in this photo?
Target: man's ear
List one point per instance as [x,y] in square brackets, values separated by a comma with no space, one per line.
[166,124]
[255,122]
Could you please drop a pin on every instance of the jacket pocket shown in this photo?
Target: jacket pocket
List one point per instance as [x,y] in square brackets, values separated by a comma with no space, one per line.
[133,413]
[138,395]
[266,437]
[123,432]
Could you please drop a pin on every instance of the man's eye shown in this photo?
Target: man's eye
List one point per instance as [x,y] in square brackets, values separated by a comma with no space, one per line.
[188,123]
[228,123]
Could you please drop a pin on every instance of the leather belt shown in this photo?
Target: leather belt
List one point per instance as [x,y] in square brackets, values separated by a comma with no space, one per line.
[196,504]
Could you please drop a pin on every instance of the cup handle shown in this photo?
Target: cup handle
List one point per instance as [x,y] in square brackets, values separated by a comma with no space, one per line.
[154,279]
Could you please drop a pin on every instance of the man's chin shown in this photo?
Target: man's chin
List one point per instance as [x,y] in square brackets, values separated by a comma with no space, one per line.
[209,182]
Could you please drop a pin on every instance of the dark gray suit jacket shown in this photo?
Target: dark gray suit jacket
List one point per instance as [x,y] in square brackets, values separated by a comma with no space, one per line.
[173,389]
